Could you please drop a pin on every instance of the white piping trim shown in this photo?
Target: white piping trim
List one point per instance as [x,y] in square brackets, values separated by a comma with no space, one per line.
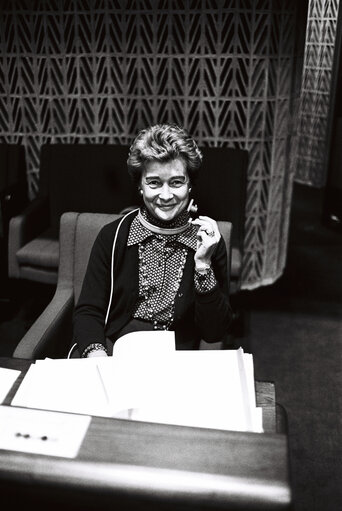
[72,349]
[112,264]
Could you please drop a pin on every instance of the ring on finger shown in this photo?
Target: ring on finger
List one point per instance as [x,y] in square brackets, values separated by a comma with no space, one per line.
[210,233]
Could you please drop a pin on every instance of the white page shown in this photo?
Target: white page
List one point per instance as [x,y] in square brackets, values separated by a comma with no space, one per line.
[200,388]
[138,361]
[145,343]
[65,385]
[247,383]
[256,413]
[42,432]
[194,388]
[130,380]
[7,378]
[257,420]
[249,374]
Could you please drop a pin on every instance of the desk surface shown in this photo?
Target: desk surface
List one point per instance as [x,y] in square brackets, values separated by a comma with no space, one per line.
[138,465]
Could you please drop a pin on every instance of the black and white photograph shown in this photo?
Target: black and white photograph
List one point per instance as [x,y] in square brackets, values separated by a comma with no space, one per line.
[170,255]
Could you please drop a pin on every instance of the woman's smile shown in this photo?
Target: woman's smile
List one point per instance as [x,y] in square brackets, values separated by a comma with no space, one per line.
[167,207]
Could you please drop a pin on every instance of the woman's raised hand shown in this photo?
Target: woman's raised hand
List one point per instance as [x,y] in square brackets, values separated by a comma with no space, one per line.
[208,236]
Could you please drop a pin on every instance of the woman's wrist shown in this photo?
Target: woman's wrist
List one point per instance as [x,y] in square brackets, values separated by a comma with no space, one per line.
[96,349]
[202,266]
[97,353]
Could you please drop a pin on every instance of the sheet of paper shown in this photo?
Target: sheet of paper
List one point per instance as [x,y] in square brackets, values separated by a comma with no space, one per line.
[65,385]
[247,372]
[192,388]
[202,389]
[145,344]
[139,359]
[257,420]
[7,378]
[42,432]
[132,381]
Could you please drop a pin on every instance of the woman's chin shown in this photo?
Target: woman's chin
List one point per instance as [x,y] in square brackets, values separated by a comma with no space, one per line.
[166,215]
[165,218]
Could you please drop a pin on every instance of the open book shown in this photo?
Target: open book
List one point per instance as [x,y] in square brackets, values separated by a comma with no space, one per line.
[147,379]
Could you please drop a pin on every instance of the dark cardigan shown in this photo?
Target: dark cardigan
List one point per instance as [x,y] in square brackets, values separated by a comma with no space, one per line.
[197,316]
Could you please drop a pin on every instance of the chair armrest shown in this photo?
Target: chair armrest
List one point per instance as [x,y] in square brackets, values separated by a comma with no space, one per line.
[50,335]
[23,228]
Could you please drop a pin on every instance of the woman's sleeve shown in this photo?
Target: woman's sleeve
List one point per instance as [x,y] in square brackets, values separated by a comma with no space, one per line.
[90,311]
[213,313]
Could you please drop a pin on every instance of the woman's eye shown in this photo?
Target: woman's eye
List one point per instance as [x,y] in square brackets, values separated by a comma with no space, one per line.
[177,183]
[153,183]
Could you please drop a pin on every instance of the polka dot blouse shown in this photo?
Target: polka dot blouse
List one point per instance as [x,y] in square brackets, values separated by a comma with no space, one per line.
[162,259]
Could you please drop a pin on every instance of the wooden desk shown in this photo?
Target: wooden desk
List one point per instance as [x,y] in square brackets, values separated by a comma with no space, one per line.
[135,465]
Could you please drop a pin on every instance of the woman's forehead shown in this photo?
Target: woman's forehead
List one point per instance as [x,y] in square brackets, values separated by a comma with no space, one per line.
[165,169]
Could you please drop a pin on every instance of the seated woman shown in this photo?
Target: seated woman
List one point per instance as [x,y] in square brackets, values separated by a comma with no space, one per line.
[156,268]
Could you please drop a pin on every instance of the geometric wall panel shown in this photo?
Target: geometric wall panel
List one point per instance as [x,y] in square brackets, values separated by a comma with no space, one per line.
[314,112]
[82,71]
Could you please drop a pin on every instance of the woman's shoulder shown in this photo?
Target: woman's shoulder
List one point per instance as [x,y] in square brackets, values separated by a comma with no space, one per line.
[123,223]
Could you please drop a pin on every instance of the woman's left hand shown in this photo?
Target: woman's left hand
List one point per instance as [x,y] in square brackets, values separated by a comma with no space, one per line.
[208,236]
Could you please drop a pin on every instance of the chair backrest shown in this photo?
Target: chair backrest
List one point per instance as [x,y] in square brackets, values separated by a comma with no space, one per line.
[226,229]
[221,188]
[93,178]
[87,228]
[12,166]
[85,178]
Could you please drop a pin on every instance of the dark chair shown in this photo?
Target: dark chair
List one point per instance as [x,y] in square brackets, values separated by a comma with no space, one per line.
[13,183]
[13,194]
[51,334]
[73,177]
[221,194]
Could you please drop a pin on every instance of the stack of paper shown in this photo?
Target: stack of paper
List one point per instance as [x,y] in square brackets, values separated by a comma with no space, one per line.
[147,379]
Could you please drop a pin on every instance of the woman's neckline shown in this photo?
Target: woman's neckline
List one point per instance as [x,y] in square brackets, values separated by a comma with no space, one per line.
[177,226]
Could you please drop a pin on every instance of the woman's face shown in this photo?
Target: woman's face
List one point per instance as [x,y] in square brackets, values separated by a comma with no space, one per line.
[165,188]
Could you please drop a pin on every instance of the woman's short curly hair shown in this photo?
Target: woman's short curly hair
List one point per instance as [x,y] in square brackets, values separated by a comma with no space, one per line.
[163,142]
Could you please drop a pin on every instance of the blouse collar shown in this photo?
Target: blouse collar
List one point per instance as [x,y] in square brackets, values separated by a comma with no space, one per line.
[138,233]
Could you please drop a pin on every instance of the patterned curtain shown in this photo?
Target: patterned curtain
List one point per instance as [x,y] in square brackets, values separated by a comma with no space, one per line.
[97,71]
[315,102]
